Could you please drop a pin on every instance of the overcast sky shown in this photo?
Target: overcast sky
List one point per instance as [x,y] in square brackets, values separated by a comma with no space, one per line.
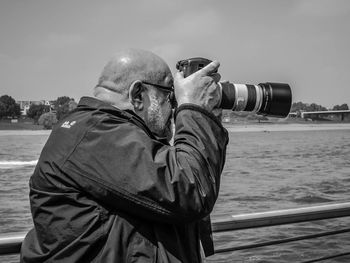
[58,48]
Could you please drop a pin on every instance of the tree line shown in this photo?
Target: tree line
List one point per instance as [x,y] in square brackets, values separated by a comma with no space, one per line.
[45,115]
[300,107]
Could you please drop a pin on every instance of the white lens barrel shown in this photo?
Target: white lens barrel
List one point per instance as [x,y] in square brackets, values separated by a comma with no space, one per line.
[241,99]
[247,97]
[259,98]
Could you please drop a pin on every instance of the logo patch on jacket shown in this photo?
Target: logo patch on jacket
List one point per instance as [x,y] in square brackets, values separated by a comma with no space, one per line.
[68,124]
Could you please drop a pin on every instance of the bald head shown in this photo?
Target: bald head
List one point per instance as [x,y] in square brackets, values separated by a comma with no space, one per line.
[130,65]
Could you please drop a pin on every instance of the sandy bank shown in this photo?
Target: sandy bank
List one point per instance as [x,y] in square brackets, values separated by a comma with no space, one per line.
[285,127]
[262,127]
[24,132]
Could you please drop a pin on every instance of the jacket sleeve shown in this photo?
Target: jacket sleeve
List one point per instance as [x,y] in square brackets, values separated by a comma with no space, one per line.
[122,167]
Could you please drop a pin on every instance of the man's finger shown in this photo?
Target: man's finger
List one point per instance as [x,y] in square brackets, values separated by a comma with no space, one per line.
[209,69]
[216,77]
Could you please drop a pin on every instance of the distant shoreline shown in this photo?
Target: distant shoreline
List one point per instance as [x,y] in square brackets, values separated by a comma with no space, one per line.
[240,127]
[27,126]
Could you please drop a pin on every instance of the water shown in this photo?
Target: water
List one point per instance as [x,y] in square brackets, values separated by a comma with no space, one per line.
[279,170]
[264,171]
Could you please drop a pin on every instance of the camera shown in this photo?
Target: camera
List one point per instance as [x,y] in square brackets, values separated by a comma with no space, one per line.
[270,99]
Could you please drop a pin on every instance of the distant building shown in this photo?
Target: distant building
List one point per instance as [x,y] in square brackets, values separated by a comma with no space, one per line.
[293,115]
[226,119]
[25,104]
[331,115]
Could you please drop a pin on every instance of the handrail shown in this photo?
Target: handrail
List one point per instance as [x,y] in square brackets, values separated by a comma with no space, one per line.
[10,244]
[281,217]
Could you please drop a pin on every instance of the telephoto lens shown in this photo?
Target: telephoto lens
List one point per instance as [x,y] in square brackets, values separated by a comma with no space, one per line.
[270,99]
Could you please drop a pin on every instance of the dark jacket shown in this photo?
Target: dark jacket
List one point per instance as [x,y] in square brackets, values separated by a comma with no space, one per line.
[106,190]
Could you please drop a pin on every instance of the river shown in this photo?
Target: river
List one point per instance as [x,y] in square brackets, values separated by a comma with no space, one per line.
[267,168]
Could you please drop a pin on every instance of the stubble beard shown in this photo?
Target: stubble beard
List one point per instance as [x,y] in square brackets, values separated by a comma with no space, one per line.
[158,123]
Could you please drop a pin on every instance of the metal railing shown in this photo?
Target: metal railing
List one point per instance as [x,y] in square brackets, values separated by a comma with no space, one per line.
[10,244]
[282,217]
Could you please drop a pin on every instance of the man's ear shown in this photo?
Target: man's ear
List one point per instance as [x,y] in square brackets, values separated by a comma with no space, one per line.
[135,94]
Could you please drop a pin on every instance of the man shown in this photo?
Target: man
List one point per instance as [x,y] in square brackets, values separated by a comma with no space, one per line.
[108,187]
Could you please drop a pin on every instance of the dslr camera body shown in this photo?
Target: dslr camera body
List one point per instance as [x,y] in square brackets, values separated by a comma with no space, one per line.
[269,99]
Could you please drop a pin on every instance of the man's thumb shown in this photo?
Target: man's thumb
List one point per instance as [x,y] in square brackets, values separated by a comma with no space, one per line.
[209,69]
[179,75]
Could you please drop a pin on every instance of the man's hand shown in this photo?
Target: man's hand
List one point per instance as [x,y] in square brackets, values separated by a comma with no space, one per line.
[200,88]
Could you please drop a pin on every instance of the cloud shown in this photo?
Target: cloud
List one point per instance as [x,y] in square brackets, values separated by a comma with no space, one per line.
[59,41]
[4,59]
[3,56]
[170,52]
[191,25]
[30,64]
[323,8]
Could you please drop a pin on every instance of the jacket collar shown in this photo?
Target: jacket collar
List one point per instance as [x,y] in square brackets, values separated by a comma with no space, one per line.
[129,115]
